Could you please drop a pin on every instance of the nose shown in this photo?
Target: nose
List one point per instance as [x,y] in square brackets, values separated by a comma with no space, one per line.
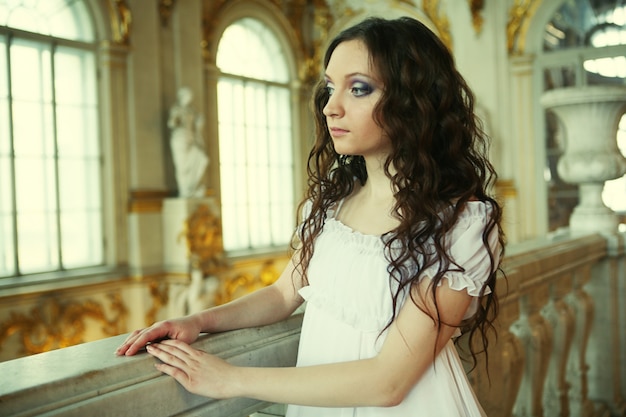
[333,107]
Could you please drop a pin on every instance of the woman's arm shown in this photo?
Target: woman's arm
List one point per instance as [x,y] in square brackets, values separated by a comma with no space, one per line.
[383,380]
[267,305]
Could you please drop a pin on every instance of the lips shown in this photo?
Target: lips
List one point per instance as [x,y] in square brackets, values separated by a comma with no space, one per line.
[337,132]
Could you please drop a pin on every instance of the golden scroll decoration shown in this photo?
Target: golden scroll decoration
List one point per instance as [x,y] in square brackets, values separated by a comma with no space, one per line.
[244,283]
[53,324]
[520,16]
[121,21]
[203,232]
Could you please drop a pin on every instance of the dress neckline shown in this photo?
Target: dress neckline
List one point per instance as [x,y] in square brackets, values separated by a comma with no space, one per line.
[335,211]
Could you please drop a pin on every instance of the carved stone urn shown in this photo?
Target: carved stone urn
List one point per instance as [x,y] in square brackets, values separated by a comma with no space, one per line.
[590,116]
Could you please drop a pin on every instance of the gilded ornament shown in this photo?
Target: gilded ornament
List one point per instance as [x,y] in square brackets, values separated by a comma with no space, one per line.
[476,7]
[520,16]
[121,21]
[431,9]
[52,324]
[506,188]
[322,21]
[203,232]
[245,283]
[146,201]
[159,292]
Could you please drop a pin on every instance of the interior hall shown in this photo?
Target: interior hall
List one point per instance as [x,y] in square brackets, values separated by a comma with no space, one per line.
[153,155]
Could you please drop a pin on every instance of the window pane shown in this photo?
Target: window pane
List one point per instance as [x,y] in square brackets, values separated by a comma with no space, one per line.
[32,99]
[605,70]
[38,249]
[4,75]
[256,156]
[69,22]
[25,18]
[82,237]
[580,23]
[33,132]
[7,248]
[250,49]
[5,124]
[68,19]
[36,214]
[74,77]
[256,162]
[30,69]
[614,193]
[50,159]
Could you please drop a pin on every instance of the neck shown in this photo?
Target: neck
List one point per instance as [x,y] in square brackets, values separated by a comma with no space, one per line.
[378,184]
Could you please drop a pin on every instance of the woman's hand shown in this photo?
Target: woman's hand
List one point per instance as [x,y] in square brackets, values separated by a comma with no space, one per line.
[185,329]
[197,371]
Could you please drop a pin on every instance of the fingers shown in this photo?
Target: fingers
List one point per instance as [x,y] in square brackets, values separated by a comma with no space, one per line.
[171,364]
[174,372]
[137,340]
[171,345]
[176,360]
[197,371]
[170,355]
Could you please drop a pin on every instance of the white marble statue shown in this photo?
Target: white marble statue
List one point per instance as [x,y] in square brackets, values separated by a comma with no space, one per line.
[190,158]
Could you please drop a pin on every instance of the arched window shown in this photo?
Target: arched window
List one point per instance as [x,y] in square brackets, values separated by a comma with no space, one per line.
[50,175]
[583,44]
[255,138]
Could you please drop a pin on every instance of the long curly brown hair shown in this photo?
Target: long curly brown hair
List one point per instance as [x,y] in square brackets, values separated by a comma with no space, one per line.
[439,159]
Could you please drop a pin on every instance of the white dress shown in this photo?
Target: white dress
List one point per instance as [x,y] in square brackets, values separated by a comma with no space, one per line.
[349,303]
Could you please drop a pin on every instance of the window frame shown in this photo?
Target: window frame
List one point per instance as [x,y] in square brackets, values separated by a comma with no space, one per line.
[52,43]
[275,21]
[573,57]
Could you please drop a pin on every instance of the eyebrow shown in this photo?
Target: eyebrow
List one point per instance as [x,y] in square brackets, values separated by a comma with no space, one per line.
[353,74]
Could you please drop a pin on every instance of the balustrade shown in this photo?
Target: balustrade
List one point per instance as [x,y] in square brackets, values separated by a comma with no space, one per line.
[559,352]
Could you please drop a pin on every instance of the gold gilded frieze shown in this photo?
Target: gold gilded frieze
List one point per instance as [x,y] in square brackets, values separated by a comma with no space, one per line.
[245,282]
[54,324]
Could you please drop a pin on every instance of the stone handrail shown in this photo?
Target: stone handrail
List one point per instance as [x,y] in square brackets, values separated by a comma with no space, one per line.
[89,380]
[560,351]
[561,331]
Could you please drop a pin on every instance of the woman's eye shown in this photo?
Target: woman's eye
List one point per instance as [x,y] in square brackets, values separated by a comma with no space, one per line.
[361,89]
[330,90]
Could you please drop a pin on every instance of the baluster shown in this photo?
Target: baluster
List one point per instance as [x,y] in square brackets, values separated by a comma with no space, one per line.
[535,335]
[561,318]
[498,390]
[582,305]
[603,349]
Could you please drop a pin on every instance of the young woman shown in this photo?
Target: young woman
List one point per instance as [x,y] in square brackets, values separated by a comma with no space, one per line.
[399,245]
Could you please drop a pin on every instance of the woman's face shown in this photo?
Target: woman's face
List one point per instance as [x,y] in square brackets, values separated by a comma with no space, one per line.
[354,89]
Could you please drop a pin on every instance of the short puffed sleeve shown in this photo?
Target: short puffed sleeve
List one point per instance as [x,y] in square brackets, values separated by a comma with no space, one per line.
[468,251]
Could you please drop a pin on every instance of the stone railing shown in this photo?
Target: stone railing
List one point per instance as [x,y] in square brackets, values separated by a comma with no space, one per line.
[561,331]
[560,351]
[89,380]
